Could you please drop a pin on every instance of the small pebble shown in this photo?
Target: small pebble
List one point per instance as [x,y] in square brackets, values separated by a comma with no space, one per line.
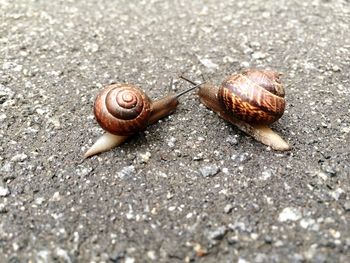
[240,226]
[19,157]
[91,47]
[228,208]
[336,68]
[228,59]
[254,44]
[335,234]
[309,253]
[289,214]
[259,55]
[245,64]
[7,167]
[4,191]
[232,240]
[338,194]
[83,171]
[330,171]
[5,94]
[56,197]
[127,171]
[200,251]
[266,174]
[144,157]
[63,254]
[268,239]
[2,117]
[54,121]
[208,63]
[42,256]
[198,157]
[232,140]
[242,260]
[242,158]
[345,130]
[209,170]
[39,200]
[260,258]
[171,142]
[3,208]
[129,260]
[172,208]
[151,255]
[217,234]
[322,175]
[346,206]
[307,222]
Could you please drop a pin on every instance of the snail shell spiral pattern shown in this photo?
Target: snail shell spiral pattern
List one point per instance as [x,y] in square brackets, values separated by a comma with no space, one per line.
[122,109]
[254,96]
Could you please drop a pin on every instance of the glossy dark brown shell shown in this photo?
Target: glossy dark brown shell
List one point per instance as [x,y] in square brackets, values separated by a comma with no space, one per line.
[122,109]
[254,96]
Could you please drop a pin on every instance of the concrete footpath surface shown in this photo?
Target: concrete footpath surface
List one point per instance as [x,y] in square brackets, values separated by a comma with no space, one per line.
[191,188]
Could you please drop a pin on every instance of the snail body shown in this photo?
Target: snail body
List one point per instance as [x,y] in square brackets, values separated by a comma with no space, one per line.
[123,110]
[251,100]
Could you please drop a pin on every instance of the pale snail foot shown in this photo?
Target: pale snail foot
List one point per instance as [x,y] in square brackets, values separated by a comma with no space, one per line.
[261,133]
[106,142]
[267,136]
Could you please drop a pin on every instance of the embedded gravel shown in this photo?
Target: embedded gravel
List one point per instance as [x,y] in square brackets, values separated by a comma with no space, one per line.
[192,188]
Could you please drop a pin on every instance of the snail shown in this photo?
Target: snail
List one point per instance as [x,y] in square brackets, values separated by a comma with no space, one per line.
[250,100]
[124,109]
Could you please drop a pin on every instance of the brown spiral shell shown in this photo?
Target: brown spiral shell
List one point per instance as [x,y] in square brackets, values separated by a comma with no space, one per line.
[122,109]
[254,96]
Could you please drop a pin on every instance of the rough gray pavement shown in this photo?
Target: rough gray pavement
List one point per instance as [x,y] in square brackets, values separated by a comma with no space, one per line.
[192,187]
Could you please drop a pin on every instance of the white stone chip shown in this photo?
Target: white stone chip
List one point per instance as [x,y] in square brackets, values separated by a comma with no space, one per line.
[289,214]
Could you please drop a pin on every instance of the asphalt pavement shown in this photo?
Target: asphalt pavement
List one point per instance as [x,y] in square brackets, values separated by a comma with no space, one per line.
[192,187]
